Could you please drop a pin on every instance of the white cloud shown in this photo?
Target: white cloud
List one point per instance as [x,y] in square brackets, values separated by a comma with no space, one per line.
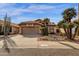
[17,12]
[40,7]
[19,19]
[34,9]
[13,11]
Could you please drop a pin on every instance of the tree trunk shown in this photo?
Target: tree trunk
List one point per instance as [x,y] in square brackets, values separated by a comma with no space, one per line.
[70,30]
[75,32]
[66,33]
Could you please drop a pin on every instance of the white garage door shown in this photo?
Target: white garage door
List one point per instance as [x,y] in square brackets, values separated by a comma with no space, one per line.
[30,31]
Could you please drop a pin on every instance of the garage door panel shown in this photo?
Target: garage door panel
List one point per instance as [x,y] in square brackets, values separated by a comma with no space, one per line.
[30,31]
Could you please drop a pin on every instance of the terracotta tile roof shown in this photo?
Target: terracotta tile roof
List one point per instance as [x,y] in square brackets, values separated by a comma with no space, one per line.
[30,22]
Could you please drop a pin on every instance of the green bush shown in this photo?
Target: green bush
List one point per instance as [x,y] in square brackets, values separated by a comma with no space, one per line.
[45,31]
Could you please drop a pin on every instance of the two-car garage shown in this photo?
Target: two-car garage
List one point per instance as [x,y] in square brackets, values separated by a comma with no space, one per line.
[30,28]
[30,31]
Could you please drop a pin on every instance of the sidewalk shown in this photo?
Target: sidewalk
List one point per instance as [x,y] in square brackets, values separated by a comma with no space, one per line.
[71,44]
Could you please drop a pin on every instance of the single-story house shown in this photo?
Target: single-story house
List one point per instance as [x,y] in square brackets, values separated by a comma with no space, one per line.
[34,27]
[13,30]
[30,28]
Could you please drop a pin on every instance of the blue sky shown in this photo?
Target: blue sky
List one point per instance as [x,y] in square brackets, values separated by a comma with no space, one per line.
[20,12]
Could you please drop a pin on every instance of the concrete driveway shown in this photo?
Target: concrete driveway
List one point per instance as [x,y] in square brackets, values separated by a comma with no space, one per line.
[32,42]
[32,47]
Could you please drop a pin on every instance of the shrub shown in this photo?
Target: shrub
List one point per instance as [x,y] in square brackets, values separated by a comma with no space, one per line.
[45,31]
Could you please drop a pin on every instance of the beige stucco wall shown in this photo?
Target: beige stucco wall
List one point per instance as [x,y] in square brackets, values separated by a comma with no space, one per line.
[62,31]
[50,29]
[15,30]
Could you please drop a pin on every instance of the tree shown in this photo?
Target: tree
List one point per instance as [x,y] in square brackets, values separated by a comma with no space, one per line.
[78,19]
[6,31]
[46,21]
[45,27]
[67,24]
[7,22]
[39,20]
[64,25]
[68,14]
[7,41]
[0,28]
[76,24]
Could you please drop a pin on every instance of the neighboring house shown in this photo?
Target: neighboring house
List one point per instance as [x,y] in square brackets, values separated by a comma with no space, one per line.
[1,24]
[13,30]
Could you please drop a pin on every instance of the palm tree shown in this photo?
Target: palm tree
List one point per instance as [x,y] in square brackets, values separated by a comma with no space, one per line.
[76,24]
[78,18]
[69,14]
[64,25]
